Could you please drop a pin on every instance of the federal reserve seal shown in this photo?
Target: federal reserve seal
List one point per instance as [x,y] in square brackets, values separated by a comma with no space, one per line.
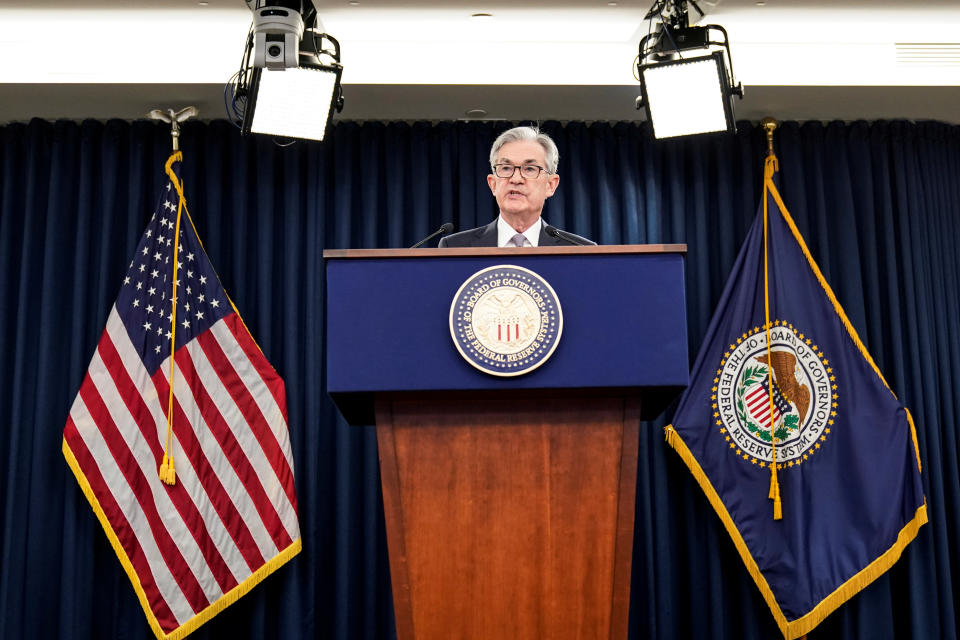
[789,395]
[506,320]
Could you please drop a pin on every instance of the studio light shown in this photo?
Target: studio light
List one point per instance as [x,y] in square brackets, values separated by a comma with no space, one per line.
[292,86]
[686,74]
[294,103]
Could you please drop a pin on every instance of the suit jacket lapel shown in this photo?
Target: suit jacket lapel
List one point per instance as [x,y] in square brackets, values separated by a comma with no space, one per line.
[487,236]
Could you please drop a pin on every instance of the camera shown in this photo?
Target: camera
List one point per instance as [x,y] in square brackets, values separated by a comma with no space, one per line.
[277,31]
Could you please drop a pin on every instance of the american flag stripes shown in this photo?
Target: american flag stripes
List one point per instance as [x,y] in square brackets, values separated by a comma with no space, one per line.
[230,519]
[758,403]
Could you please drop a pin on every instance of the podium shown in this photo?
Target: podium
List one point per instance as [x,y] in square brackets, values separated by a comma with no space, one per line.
[509,501]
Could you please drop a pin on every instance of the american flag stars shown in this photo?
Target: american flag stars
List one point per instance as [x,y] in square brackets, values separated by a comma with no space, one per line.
[145,300]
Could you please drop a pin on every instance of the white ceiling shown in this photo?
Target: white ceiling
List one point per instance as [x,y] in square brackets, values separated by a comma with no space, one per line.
[566,60]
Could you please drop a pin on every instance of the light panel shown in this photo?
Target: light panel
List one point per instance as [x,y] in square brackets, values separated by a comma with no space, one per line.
[687,97]
[127,43]
[292,103]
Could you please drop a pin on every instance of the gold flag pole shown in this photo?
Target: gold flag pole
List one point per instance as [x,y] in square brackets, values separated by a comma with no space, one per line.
[769,125]
[167,470]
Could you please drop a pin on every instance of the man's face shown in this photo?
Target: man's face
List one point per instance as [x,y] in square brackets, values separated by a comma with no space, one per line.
[519,196]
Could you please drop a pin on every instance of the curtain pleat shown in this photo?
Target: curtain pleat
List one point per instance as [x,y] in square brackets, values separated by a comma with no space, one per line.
[877,202]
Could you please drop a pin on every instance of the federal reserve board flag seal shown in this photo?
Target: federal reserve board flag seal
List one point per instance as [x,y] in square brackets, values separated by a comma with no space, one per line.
[506,320]
[800,378]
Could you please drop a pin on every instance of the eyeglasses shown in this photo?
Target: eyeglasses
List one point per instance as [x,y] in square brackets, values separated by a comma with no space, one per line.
[528,171]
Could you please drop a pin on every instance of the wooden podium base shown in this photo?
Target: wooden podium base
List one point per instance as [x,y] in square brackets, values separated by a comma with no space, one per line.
[509,516]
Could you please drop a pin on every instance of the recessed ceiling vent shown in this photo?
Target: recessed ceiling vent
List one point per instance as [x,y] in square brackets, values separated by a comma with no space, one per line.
[928,54]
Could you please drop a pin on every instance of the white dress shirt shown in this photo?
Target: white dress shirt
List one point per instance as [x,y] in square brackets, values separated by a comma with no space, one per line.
[505,233]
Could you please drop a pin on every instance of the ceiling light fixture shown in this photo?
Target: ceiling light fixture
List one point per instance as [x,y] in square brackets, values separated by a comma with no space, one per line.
[288,84]
[686,74]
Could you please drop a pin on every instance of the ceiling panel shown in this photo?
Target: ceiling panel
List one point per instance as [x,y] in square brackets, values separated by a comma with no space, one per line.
[802,59]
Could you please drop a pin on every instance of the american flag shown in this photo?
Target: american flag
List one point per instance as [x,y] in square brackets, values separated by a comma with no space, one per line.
[230,519]
[758,403]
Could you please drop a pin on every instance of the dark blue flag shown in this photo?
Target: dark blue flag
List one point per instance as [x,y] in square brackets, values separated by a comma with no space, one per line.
[781,362]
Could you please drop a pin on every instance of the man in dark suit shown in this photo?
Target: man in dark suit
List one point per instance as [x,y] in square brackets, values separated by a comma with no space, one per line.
[524,174]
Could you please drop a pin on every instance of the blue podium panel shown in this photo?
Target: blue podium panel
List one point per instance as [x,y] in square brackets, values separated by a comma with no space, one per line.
[388,321]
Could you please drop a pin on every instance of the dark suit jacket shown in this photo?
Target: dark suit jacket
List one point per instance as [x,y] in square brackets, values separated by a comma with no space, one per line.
[487,237]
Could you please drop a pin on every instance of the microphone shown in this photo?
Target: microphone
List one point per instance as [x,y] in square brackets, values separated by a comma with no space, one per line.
[563,235]
[446,228]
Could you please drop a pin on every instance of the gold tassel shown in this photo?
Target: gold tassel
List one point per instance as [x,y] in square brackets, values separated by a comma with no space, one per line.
[777,505]
[775,492]
[770,167]
[167,473]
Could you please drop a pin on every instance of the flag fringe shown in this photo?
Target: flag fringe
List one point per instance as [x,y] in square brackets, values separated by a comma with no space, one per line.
[177,155]
[111,536]
[678,445]
[806,623]
[214,608]
[851,331]
[234,594]
[913,434]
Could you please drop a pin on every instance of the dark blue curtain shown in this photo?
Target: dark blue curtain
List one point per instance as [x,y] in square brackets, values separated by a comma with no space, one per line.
[878,203]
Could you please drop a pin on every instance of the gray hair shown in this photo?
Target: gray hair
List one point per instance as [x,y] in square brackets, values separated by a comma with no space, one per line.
[519,134]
